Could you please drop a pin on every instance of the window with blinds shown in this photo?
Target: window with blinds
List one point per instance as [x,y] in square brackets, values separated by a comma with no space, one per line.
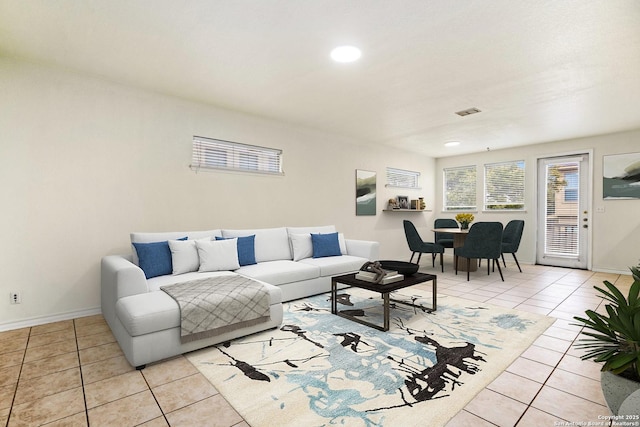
[504,186]
[460,188]
[401,178]
[208,153]
[562,210]
[571,190]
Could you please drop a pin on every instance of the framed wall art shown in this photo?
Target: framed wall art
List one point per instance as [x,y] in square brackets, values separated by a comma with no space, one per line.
[621,176]
[365,192]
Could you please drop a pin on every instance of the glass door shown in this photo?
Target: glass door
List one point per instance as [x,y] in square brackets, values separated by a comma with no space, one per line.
[563,215]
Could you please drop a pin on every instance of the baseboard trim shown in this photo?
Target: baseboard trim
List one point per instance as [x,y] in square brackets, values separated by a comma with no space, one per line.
[41,320]
[605,270]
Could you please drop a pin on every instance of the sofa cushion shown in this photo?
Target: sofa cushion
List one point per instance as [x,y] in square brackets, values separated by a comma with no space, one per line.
[271,244]
[171,235]
[155,311]
[150,312]
[218,255]
[246,249]
[325,245]
[301,246]
[280,271]
[157,282]
[335,265]
[184,256]
[154,258]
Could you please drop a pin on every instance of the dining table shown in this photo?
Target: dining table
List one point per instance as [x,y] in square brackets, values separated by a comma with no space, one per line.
[459,236]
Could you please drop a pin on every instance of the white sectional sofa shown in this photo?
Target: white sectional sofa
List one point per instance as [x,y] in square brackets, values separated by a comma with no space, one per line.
[293,262]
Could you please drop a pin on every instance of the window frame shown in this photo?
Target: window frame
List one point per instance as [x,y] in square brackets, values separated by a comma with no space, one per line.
[220,155]
[395,177]
[473,204]
[494,206]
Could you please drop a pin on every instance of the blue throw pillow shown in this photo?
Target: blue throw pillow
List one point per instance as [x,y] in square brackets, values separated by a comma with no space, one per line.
[246,249]
[325,245]
[155,258]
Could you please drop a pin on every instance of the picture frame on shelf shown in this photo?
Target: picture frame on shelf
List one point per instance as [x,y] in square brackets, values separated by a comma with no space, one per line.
[403,202]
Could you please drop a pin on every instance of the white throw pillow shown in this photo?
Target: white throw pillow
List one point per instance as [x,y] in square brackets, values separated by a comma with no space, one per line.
[302,246]
[184,256]
[218,255]
[342,243]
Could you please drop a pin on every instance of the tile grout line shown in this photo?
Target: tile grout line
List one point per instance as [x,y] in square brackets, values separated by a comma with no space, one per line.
[84,394]
[15,391]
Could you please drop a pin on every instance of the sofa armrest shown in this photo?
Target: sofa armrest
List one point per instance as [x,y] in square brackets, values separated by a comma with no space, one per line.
[119,278]
[363,248]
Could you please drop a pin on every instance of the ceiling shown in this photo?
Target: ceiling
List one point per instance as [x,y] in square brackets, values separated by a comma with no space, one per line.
[539,71]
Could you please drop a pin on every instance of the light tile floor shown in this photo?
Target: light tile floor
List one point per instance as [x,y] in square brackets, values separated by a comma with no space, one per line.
[72,373]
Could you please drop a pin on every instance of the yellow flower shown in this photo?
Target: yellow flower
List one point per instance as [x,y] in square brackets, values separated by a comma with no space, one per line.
[464,217]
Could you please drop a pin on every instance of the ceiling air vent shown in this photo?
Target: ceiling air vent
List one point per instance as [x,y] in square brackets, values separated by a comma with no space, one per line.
[467,112]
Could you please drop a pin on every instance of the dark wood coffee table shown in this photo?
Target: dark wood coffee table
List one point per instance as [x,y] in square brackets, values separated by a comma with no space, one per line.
[385,290]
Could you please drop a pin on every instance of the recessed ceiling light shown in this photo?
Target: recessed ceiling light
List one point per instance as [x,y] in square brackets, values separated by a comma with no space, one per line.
[451,144]
[345,54]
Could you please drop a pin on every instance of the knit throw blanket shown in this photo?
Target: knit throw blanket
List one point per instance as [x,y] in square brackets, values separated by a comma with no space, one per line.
[216,305]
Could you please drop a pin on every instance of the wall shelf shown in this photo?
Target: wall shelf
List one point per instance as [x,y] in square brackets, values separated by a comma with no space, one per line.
[406,210]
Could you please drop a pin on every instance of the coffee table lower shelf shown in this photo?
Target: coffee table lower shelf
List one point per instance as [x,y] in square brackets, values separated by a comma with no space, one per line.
[384,290]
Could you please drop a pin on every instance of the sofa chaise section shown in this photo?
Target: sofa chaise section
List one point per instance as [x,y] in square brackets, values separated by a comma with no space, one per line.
[146,321]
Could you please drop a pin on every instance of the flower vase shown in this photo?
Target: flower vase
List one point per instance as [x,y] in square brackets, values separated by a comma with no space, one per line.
[464,225]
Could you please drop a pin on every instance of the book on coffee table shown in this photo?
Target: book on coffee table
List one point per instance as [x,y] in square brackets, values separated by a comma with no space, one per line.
[373,274]
[389,277]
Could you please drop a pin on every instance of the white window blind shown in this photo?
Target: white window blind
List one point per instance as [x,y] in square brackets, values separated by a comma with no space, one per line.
[208,153]
[562,210]
[504,186]
[402,178]
[460,188]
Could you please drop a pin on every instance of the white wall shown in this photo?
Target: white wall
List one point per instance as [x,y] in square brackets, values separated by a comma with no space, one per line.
[615,232]
[84,162]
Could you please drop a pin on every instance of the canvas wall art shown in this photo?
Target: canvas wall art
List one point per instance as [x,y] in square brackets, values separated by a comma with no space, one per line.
[365,192]
[621,176]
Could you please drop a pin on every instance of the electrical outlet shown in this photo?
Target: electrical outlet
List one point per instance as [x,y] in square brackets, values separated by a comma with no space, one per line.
[15,297]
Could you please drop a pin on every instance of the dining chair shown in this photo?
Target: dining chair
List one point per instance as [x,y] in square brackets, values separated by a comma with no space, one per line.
[444,239]
[417,245]
[511,240]
[484,241]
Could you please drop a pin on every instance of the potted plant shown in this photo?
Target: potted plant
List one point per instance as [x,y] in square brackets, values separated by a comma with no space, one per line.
[464,219]
[614,338]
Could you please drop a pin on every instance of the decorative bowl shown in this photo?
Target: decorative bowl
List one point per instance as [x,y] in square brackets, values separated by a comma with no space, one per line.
[402,267]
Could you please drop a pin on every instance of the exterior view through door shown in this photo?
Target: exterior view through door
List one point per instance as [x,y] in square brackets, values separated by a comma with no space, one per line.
[563,213]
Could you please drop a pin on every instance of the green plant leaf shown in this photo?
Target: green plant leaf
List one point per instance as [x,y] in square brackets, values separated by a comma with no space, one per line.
[625,325]
[614,295]
[633,293]
[622,360]
[599,337]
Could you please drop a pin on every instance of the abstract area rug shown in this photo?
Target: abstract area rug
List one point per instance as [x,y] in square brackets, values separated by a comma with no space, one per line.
[318,369]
